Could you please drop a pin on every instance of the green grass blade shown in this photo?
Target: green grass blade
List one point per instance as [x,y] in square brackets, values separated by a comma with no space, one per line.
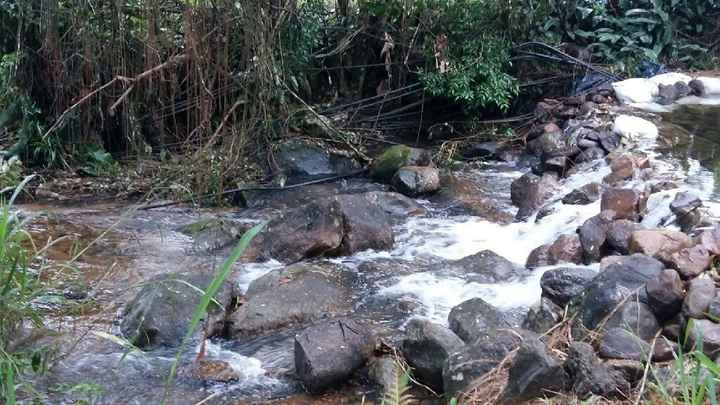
[210,292]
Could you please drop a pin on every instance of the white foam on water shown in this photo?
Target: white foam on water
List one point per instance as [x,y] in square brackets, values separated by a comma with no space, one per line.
[252,271]
[437,294]
[249,369]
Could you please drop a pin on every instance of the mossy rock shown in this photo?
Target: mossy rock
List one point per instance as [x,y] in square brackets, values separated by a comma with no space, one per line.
[393,158]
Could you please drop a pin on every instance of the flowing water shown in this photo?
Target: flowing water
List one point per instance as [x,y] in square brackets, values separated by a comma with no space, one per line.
[407,284]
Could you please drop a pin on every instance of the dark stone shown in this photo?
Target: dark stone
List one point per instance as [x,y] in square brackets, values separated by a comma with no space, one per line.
[635,317]
[160,313]
[300,161]
[665,294]
[619,234]
[486,267]
[589,376]
[684,203]
[530,192]
[293,295]
[668,94]
[475,317]
[593,234]
[697,87]
[613,285]
[543,316]
[713,312]
[328,354]
[584,195]
[618,343]
[562,285]
[385,166]
[534,373]
[426,348]
[474,360]
[626,203]
[382,371]
[589,155]
[396,206]
[545,211]
[482,150]
[662,186]
[414,181]
[557,164]
[609,141]
[700,294]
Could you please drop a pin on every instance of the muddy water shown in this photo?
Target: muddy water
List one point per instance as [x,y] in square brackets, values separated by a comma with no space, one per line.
[136,246]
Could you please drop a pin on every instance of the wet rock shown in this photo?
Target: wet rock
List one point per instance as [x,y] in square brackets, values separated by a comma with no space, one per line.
[622,168]
[668,94]
[654,242]
[584,195]
[662,186]
[543,316]
[328,353]
[213,234]
[562,285]
[588,376]
[461,196]
[690,262]
[539,257]
[665,294]
[566,249]
[636,318]
[160,313]
[700,294]
[339,225]
[395,205]
[426,348]
[474,360]
[609,141]
[706,331]
[611,286]
[618,343]
[474,317]
[293,295]
[557,164]
[385,166]
[627,203]
[534,373]
[489,150]
[214,370]
[593,234]
[684,203]
[545,211]
[552,143]
[416,180]
[300,161]
[530,192]
[619,234]
[486,266]
[589,155]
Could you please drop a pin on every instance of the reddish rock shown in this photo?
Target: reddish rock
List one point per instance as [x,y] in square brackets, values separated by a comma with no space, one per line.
[710,240]
[658,242]
[214,370]
[627,203]
[566,249]
[690,262]
[539,257]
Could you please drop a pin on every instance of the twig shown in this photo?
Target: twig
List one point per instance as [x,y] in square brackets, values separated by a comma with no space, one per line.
[647,369]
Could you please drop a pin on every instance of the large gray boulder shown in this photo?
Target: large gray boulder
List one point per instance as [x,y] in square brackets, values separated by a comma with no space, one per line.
[486,267]
[293,295]
[534,373]
[329,353]
[160,313]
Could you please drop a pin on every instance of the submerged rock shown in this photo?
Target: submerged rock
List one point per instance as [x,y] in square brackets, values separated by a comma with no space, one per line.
[416,180]
[584,195]
[461,196]
[486,267]
[329,353]
[293,295]
[530,192]
[474,317]
[161,311]
[393,158]
[426,348]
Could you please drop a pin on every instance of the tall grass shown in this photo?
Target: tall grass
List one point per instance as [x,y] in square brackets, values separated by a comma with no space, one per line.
[19,286]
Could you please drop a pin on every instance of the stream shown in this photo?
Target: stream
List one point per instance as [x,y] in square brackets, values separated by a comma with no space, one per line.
[402,283]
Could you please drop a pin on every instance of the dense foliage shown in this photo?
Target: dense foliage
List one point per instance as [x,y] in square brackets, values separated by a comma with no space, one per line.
[219,82]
